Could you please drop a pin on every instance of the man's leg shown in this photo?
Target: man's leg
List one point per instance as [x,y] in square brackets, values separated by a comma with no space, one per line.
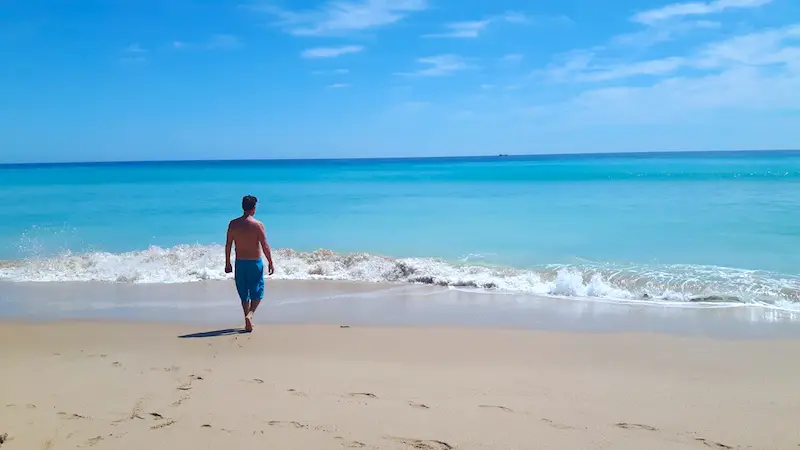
[248,315]
[242,288]
[256,289]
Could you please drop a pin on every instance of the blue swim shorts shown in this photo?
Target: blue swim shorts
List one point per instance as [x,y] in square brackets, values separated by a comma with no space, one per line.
[249,276]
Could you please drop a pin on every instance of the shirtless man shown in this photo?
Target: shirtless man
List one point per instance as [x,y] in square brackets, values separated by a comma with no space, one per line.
[250,239]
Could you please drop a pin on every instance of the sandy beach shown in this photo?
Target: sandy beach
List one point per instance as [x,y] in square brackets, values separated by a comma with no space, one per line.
[137,385]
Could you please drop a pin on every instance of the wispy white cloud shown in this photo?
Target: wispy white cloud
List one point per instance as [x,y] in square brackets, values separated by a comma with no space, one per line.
[339,85]
[662,32]
[769,47]
[678,19]
[680,10]
[133,54]
[740,88]
[469,29]
[756,71]
[513,57]
[331,72]
[440,66]
[642,68]
[331,52]
[135,49]
[341,17]
[215,42]
[566,66]
[474,28]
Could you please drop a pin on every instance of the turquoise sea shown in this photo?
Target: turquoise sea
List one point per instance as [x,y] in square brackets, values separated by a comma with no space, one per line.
[675,229]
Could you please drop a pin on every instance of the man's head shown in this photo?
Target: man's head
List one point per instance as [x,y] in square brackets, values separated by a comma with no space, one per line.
[249,204]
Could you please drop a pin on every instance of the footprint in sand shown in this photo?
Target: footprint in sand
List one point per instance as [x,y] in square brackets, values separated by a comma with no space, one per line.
[281,423]
[362,394]
[501,408]
[164,425]
[423,444]
[556,425]
[71,416]
[713,444]
[300,426]
[180,401]
[3,438]
[93,441]
[136,413]
[350,444]
[418,405]
[635,426]
[297,393]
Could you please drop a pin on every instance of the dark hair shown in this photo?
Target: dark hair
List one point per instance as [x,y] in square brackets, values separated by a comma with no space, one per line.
[249,202]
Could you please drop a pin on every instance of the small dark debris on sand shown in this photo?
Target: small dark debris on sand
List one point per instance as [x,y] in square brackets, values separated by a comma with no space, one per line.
[292,423]
[344,326]
[424,444]
[164,425]
[501,408]
[3,438]
[635,426]
[156,415]
[72,416]
[713,444]
[363,394]
[205,425]
[94,441]
[258,380]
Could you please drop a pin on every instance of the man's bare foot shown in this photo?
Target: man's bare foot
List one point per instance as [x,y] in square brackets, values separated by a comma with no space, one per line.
[248,322]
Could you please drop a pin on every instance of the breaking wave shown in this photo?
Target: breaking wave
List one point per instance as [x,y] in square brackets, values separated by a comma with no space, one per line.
[663,283]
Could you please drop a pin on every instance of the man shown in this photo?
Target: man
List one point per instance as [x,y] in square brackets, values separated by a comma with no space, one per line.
[250,239]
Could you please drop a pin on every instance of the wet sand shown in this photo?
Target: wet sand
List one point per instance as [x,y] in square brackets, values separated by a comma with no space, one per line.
[112,385]
[335,302]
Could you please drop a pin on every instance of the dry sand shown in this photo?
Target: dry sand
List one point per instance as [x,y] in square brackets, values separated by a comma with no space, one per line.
[140,386]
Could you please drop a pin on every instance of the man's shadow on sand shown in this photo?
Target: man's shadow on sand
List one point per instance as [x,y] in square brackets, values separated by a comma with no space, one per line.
[215,333]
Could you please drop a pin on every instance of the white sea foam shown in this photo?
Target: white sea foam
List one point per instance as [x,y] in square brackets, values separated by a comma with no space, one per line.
[681,284]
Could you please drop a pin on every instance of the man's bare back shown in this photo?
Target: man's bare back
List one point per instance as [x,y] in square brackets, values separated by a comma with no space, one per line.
[248,235]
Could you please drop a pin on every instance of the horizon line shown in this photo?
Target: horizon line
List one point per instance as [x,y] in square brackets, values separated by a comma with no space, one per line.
[402,158]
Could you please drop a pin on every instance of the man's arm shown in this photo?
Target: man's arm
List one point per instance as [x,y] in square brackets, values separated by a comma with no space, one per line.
[265,247]
[228,248]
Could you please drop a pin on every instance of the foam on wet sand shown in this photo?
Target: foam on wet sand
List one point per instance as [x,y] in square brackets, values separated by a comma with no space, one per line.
[138,385]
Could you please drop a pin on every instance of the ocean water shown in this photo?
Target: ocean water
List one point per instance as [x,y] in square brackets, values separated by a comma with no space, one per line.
[674,229]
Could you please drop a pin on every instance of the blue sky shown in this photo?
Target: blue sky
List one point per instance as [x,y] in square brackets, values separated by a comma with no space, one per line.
[97,80]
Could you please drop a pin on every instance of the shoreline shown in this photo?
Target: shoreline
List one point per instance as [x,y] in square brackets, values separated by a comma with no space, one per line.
[381,304]
[318,387]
